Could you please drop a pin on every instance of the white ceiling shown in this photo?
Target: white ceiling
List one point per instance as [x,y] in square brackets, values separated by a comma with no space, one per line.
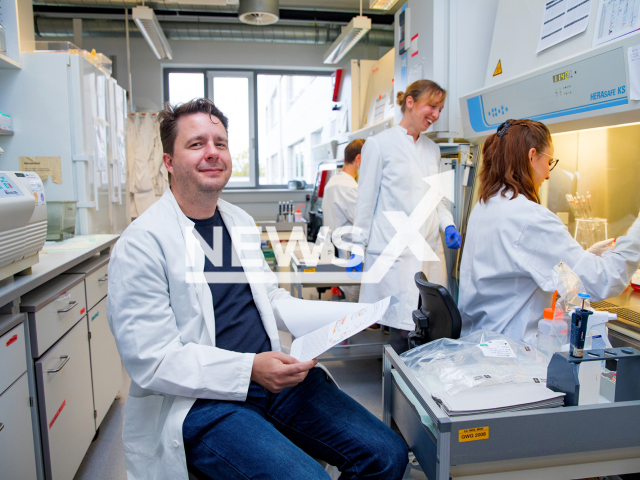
[336,5]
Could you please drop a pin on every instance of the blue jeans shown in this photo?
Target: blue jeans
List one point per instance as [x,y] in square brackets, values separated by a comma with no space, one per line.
[274,436]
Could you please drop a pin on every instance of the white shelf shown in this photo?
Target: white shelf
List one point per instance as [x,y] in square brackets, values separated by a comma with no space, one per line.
[6,62]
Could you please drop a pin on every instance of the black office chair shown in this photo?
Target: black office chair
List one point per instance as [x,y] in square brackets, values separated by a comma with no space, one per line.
[314,227]
[437,315]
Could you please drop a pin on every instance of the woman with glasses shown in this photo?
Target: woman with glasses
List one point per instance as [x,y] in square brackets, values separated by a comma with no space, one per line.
[513,242]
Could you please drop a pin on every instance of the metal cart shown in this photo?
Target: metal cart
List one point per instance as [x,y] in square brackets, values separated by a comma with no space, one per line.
[555,443]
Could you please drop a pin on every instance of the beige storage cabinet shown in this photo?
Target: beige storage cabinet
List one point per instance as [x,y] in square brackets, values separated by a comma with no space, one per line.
[63,379]
[53,309]
[17,455]
[96,278]
[106,367]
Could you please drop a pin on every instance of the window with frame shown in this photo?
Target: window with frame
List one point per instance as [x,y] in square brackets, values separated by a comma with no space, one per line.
[274,119]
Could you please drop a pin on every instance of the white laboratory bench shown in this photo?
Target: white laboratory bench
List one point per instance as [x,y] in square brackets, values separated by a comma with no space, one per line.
[59,365]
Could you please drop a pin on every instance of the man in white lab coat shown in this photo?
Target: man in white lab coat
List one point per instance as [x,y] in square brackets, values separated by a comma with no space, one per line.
[339,202]
[197,333]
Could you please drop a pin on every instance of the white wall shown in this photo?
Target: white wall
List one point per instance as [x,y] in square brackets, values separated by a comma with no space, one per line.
[146,70]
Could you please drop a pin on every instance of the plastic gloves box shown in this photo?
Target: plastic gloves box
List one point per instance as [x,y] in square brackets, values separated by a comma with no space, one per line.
[5,122]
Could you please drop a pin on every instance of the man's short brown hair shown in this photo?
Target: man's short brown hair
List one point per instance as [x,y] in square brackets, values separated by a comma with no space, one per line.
[352,151]
[169,116]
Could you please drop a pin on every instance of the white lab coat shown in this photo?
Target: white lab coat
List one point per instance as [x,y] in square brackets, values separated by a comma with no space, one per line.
[164,328]
[339,210]
[391,179]
[510,250]
[339,201]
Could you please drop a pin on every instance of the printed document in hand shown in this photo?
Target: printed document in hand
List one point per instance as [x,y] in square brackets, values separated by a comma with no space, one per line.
[314,344]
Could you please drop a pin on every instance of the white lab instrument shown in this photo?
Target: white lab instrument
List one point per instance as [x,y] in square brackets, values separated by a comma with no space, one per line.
[392,177]
[23,229]
[70,128]
[582,91]
[505,281]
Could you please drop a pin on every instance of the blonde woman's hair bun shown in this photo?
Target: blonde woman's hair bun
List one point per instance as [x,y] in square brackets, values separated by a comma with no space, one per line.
[400,98]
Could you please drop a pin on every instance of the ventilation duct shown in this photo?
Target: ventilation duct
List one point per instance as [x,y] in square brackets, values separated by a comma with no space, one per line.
[182,6]
[259,12]
[47,27]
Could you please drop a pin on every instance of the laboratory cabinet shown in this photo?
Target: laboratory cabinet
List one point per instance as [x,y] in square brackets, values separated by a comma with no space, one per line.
[63,379]
[17,454]
[53,309]
[106,367]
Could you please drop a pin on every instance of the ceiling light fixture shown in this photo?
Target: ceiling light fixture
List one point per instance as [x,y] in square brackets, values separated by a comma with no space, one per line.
[351,34]
[382,4]
[149,26]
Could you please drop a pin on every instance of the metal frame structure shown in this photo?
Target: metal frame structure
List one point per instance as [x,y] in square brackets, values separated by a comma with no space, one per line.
[560,443]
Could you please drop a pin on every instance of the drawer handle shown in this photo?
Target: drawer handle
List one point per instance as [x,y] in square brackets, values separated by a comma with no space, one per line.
[66,359]
[71,305]
[104,279]
[1,426]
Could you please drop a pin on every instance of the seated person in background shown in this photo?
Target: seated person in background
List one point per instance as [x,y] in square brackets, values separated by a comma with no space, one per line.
[339,202]
[210,387]
[513,242]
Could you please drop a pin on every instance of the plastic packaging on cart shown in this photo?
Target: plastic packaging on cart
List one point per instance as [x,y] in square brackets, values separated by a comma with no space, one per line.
[569,286]
[481,359]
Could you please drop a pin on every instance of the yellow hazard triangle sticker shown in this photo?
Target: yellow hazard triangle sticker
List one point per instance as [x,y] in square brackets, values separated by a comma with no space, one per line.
[498,69]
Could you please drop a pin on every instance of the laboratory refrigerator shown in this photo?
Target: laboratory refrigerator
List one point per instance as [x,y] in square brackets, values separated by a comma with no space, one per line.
[65,106]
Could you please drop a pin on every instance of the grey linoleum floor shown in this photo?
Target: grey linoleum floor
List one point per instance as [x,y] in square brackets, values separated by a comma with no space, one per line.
[362,379]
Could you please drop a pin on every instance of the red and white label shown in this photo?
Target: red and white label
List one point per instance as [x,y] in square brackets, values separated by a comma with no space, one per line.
[55,417]
[13,339]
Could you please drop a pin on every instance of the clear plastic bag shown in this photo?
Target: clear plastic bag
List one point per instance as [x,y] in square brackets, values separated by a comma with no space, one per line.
[481,359]
[569,286]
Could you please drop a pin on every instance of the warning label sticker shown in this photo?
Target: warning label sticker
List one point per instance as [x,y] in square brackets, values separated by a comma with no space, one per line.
[473,434]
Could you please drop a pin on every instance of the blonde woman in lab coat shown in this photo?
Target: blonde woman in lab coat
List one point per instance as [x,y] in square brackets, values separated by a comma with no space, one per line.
[394,164]
[513,242]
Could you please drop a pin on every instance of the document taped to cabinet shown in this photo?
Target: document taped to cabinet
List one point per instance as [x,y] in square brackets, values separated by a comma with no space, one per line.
[473,434]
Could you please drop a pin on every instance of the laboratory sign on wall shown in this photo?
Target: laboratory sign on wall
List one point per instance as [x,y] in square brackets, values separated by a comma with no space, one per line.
[595,83]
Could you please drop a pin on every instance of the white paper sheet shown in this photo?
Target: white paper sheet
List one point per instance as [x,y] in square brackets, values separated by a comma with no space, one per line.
[616,18]
[314,344]
[634,72]
[303,316]
[563,19]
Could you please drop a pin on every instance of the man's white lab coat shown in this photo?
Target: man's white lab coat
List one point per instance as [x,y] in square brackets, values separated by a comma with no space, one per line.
[339,210]
[339,201]
[165,330]
[510,250]
[391,180]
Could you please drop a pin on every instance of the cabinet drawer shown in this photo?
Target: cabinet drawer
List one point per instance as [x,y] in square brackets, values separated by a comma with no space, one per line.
[17,457]
[63,378]
[95,269]
[96,285]
[13,357]
[54,311]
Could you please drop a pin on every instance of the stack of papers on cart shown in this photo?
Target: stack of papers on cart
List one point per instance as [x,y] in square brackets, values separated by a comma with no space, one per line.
[508,397]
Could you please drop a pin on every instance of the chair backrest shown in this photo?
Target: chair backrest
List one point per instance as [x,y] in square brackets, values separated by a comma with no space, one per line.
[437,315]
